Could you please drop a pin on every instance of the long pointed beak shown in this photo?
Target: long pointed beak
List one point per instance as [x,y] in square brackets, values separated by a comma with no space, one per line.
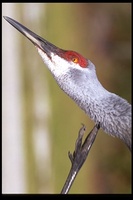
[38,41]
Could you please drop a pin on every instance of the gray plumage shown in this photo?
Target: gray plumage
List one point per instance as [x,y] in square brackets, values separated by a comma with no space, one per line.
[112,111]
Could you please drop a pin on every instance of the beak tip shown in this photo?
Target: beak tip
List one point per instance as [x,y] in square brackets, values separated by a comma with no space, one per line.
[5,17]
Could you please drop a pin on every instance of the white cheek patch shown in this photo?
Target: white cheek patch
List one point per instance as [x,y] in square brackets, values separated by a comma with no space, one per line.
[55,64]
[59,62]
[43,55]
[46,60]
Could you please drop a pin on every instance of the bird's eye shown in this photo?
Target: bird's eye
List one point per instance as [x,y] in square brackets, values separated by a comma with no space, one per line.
[75,60]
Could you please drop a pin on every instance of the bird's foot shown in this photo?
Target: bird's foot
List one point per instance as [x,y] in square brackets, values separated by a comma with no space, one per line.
[79,155]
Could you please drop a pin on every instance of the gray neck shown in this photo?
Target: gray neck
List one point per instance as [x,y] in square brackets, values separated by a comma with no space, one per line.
[113,112]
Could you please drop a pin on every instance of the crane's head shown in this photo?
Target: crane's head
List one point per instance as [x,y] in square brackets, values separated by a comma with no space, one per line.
[56,59]
[71,70]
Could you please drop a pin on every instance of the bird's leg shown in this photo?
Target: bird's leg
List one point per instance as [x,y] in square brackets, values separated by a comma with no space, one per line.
[79,155]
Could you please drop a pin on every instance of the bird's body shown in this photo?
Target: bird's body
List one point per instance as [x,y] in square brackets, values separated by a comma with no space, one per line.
[77,77]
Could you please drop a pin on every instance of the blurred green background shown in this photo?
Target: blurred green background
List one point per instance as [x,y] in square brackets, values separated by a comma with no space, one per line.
[50,119]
